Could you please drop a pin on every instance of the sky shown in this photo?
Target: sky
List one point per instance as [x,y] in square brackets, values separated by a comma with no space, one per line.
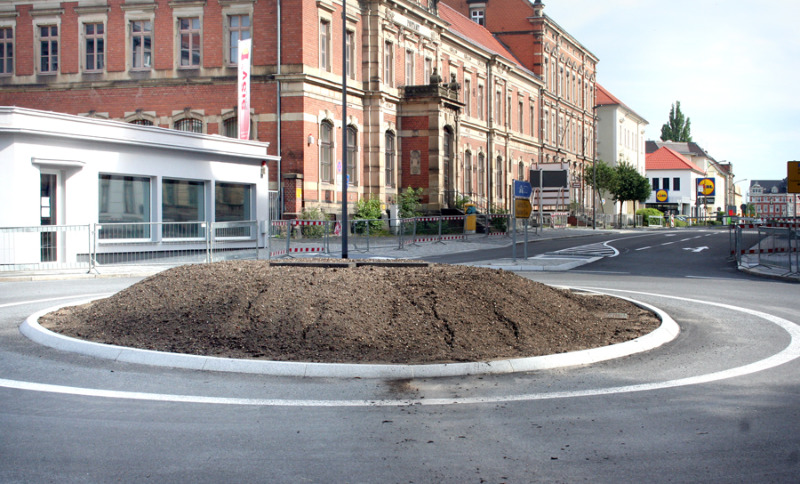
[733,65]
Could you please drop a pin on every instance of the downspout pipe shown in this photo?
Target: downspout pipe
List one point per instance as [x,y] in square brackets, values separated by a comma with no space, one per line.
[279,109]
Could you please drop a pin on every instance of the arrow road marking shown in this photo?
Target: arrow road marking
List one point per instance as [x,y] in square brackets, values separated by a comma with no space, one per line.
[696,249]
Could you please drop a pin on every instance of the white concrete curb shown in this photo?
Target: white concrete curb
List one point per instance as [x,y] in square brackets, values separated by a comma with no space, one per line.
[32,329]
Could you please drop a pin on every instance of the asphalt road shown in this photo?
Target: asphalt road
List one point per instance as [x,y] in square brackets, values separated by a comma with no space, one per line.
[718,404]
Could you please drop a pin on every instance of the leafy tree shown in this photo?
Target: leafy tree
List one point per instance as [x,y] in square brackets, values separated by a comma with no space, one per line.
[368,209]
[630,185]
[678,128]
[410,202]
[604,176]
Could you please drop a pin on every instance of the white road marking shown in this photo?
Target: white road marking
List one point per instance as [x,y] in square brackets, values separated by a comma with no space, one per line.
[35,301]
[790,353]
[643,248]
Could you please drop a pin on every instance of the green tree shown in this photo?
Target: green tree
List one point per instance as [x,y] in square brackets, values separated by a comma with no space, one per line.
[368,209]
[677,128]
[630,185]
[410,202]
[603,178]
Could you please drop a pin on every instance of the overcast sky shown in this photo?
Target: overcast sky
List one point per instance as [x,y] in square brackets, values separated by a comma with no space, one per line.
[733,65]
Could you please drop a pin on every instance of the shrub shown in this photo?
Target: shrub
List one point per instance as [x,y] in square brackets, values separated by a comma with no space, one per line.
[410,202]
[368,209]
[313,213]
[499,224]
[646,213]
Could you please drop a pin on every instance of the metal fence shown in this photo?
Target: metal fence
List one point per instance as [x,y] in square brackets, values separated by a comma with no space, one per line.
[295,237]
[771,243]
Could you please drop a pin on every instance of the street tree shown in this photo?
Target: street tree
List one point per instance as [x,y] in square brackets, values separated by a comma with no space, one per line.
[678,128]
[630,185]
[602,178]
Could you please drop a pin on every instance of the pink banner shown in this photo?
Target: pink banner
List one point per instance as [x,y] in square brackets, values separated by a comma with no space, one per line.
[244,89]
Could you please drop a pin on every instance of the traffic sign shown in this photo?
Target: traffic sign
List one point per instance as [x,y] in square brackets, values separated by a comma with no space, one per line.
[522,208]
[662,195]
[705,186]
[522,189]
[793,176]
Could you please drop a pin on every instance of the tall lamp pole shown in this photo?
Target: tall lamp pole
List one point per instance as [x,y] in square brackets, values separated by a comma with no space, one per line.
[345,225]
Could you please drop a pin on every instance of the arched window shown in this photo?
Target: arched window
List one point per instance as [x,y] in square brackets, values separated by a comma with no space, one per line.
[192,125]
[499,177]
[352,156]
[468,172]
[389,159]
[521,171]
[326,151]
[142,122]
[481,174]
[447,155]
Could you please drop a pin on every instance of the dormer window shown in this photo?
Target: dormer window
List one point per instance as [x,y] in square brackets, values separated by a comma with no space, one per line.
[477,14]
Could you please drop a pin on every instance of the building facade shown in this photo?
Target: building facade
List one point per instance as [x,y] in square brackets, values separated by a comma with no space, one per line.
[620,139]
[434,100]
[770,199]
[673,178]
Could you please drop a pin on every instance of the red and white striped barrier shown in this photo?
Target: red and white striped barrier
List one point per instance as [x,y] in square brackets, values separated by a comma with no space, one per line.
[777,250]
[498,233]
[307,249]
[308,222]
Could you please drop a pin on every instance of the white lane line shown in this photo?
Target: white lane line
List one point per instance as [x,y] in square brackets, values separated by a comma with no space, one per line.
[667,243]
[36,301]
[790,353]
[644,248]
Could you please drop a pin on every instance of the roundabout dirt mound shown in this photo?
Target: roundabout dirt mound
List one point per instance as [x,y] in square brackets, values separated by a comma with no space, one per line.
[366,314]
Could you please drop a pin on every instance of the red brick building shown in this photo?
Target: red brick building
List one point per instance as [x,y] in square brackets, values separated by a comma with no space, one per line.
[434,99]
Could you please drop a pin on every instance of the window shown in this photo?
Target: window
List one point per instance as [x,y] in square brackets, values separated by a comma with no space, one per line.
[6,50]
[427,70]
[520,116]
[350,50]
[498,168]
[141,44]
[447,155]
[521,171]
[498,107]
[142,122]
[665,183]
[352,156]
[48,48]
[478,16]
[676,184]
[507,121]
[545,120]
[189,124]
[468,173]
[232,202]
[409,68]
[124,200]
[388,64]
[183,203]
[481,173]
[326,151]
[238,29]
[324,45]
[94,38]
[467,97]
[189,31]
[656,184]
[230,127]
[480,102]
[389,159]
[532,115]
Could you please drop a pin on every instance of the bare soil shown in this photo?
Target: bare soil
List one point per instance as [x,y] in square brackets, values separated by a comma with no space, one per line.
[366,314]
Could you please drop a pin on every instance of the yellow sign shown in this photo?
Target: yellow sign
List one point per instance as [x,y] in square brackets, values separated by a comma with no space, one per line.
[662,195]
[522,208]
[705,186]
[793,176]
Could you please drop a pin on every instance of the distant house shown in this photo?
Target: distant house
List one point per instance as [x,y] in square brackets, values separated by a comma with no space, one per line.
[771,199]
[620,138]
[720,171]
[673,178]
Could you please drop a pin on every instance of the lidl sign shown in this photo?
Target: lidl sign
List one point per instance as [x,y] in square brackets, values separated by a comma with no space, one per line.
[705,187]
[662,195]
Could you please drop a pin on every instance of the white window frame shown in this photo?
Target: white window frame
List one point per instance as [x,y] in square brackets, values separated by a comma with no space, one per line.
[408,67]
[9,41]
[325,44]
[246,10]
[191,32]
[46,21]
[388,63]
[129,56]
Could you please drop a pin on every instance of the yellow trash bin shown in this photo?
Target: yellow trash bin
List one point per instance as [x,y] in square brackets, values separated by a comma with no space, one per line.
[470,221]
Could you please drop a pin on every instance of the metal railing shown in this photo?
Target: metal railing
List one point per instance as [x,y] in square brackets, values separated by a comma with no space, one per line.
[772,243]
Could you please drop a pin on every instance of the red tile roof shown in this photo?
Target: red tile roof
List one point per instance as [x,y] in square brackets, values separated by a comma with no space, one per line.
[668,159]
[474,33]
[604,97]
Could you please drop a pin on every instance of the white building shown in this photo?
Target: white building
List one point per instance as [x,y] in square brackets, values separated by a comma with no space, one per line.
[620,138]
[68,170]
[674,180]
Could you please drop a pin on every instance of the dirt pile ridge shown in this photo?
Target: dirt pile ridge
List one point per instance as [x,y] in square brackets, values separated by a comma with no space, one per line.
[367,314]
